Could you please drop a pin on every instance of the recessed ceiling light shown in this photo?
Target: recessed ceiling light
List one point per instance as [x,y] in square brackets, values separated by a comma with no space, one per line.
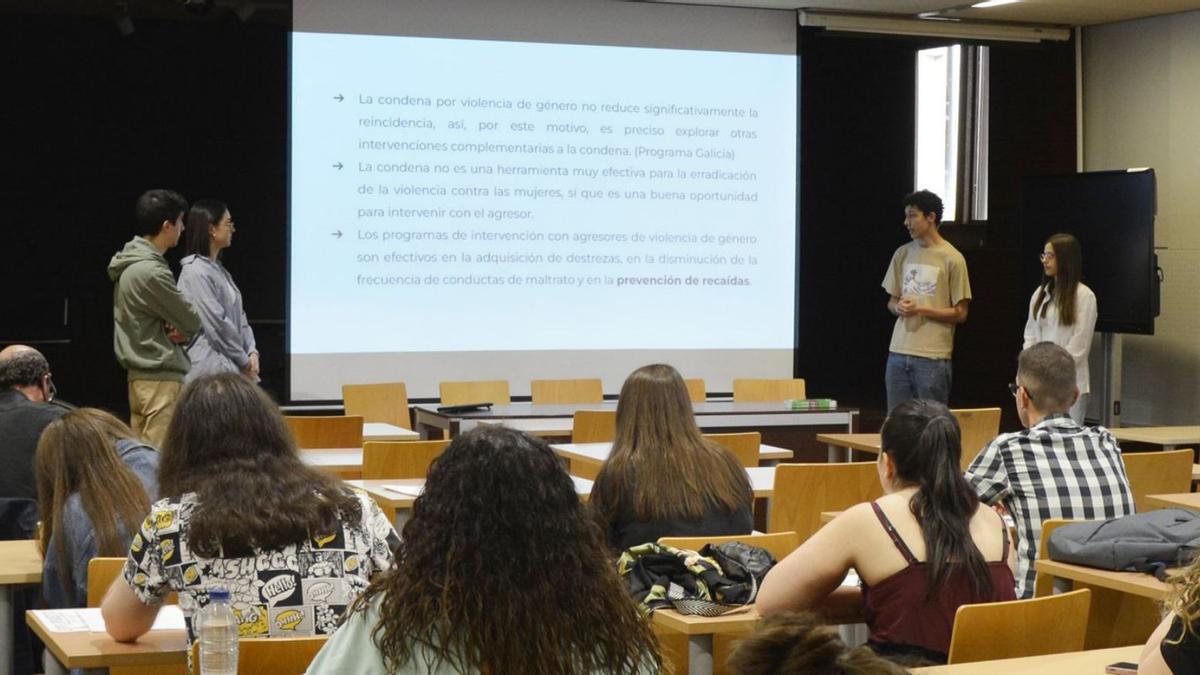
[993,3]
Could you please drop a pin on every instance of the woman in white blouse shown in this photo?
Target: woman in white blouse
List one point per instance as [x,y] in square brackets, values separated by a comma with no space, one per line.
[1063,310]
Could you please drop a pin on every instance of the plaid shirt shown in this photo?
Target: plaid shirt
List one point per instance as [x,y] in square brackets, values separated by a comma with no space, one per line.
[1055,469]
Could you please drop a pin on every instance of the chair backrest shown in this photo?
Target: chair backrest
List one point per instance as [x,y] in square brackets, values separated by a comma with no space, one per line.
[978,426]
[1005,630]
[743,445]
[756,391]
[697,392]
[803,491]
[1043,586]
[399,459]
[567,391]
[384,402]
[1152,473]
[482,391]
[277,655]
[330,431]
[102,572]
[594,426]
[780,544]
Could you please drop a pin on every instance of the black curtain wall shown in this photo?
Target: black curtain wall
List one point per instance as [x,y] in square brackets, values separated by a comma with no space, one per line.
[857,129]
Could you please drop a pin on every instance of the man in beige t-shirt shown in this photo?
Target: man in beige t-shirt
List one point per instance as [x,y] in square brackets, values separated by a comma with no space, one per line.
[928,291]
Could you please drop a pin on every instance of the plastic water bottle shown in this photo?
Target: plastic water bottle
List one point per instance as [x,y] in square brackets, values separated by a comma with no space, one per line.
[217,630]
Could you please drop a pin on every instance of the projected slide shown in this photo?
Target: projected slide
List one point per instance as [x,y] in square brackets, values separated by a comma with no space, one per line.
[484,196]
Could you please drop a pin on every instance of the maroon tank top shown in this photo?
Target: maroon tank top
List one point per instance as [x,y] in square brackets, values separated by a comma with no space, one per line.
[898,614]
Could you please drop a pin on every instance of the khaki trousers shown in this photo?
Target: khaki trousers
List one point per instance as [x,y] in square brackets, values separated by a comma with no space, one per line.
[151,403]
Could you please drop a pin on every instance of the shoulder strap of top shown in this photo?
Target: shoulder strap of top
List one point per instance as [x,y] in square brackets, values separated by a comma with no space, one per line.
[1004,537]
[900,545]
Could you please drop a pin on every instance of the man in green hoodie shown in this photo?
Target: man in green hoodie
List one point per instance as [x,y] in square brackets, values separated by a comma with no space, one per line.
[152,320]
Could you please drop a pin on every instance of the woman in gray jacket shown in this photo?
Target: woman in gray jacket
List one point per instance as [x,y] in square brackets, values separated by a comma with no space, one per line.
[226,343]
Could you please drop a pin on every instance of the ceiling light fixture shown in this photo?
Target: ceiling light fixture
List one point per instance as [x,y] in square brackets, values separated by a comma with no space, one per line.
[993,3]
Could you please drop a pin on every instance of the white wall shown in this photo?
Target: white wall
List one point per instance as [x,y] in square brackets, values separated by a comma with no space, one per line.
[1141,107]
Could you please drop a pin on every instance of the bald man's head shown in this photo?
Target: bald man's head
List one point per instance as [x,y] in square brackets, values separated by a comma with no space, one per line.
[25,368]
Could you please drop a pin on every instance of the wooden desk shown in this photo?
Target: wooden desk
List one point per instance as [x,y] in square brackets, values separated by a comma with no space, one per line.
[587,458]
[709,415]
[1091,662]
[1168,437]
[396,504]
[700,631]
[345,462]
[98,650]
[20,564]
[382,431]
[1180,500]
[862,442]
[1125,605]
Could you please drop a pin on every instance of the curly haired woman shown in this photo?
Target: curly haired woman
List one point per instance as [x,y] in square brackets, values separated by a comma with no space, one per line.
[500,570]
[1174,647]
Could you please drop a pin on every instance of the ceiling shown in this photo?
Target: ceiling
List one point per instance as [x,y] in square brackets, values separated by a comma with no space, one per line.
[1054,12]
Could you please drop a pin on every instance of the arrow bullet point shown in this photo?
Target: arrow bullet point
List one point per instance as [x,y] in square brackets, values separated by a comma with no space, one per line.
[338,166]
[338,234]
[338,98]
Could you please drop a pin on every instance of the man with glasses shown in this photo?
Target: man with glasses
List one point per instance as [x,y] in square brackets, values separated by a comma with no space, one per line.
[1055,468]
[25,410]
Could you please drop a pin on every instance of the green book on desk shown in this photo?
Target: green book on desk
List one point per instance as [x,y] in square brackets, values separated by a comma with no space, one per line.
[811,403]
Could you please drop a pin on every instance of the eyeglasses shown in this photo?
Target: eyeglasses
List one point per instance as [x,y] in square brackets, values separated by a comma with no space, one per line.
[1044,256]
[1013,388]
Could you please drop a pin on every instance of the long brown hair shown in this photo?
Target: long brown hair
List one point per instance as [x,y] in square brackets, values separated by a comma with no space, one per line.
[1061,287]
[661,466]
[924,441]
[228,443]
[77,454]
[800,643]
[500,570]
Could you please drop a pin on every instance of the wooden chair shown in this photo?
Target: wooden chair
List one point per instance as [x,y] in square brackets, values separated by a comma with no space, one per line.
[1043,586]
[803,491]
[400,459]
[697,392]
[594,426]
[978,426]
[1152,473]
[277,655]
[385,402]
[1005,630]
[483,391]
[567,391]
[331,431]
[756,391]
[780,544]
[743,445]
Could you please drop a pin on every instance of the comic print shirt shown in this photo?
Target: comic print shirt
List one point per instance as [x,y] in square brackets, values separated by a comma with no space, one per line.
[302,589]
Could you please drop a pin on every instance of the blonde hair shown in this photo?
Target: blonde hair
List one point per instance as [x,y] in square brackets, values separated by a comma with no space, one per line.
[661,466]
[1184,599]
[77,454]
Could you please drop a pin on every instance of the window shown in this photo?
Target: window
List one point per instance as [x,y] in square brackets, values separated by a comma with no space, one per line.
[952,129]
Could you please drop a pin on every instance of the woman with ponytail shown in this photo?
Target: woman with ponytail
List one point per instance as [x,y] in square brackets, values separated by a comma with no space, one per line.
[920,551]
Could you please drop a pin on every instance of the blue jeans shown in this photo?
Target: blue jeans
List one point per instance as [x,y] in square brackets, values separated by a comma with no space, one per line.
[908,377]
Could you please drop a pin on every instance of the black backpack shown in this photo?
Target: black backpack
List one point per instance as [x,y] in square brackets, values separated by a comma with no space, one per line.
[1144,542]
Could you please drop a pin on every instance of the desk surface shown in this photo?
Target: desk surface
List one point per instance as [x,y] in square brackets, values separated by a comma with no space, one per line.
[862,442]
[1091,662]
[529,410]
[1181,500]
[20,562]
[598,452]
[382,431]
[98,650]
[740,621]
[1134,583]
[333,459]
[400,501]
[1158,435]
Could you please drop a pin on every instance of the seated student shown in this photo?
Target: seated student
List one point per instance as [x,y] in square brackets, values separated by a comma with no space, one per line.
[663,478]
[499,571]
[293,546]
[921,550]
[1055,467]
[799,643]
[95,482]
[1174,647]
